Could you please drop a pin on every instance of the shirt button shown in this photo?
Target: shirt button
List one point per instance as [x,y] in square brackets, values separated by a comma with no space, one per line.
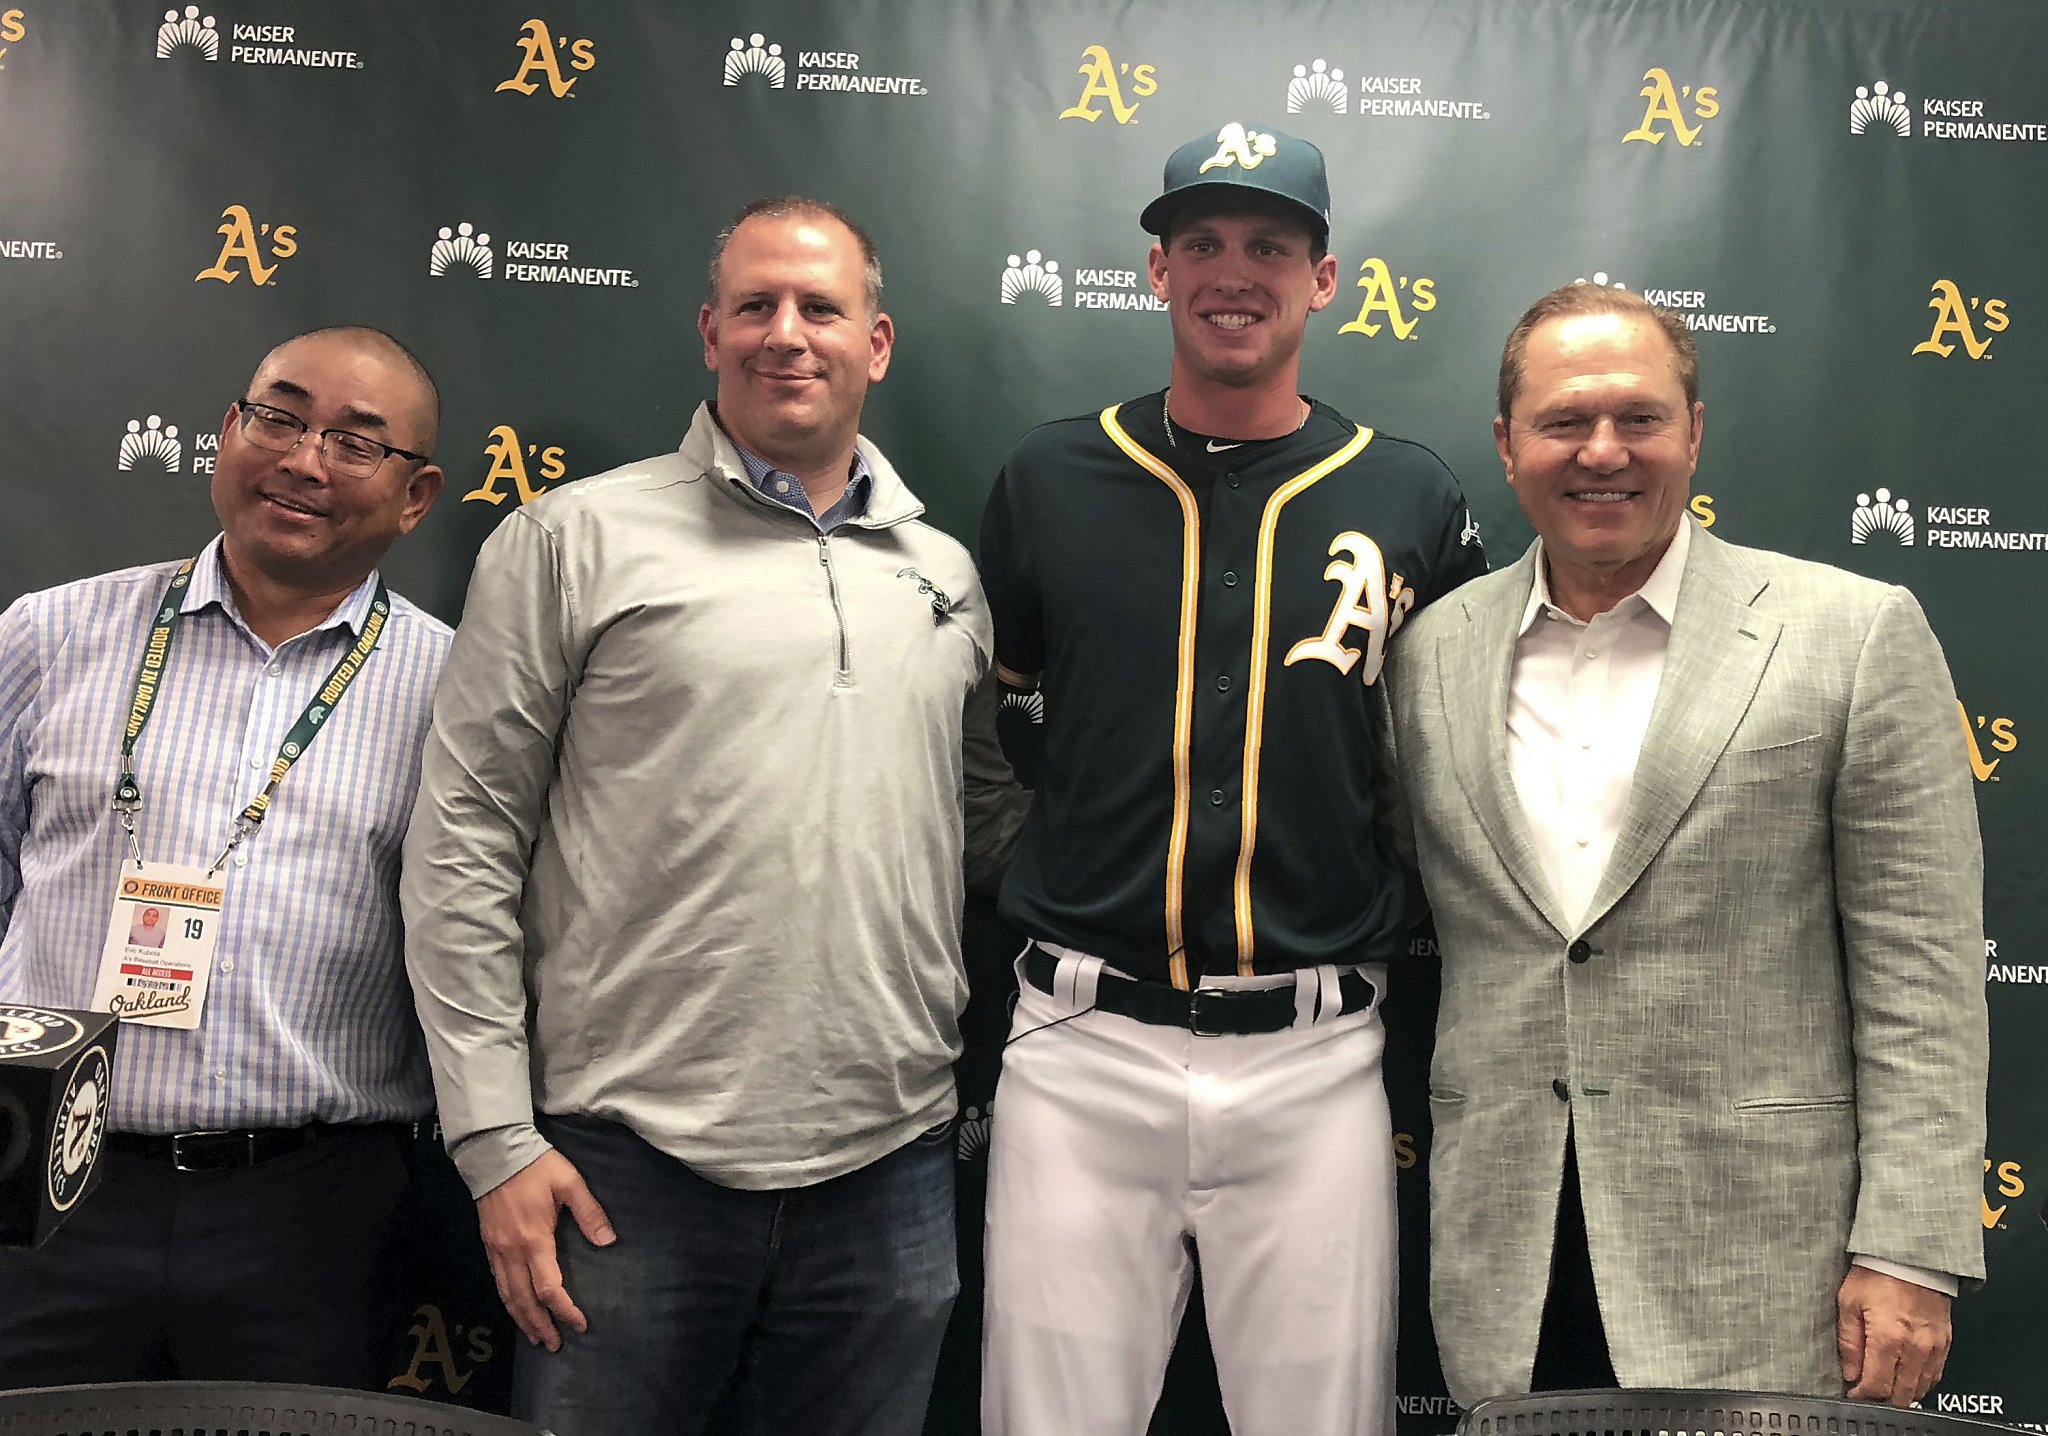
[1215,797]
[1563,1091]
[1230,578]
[1583,841]
[782,486]
[220,1074]
[1223,683]
[255,762]
[1586,746]
[1580,951]
[241,860]
[276,669]
[1592,653]
[227,964]
[1230,479]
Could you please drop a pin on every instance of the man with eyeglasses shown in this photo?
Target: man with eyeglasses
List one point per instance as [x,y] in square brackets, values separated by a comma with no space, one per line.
[247,722]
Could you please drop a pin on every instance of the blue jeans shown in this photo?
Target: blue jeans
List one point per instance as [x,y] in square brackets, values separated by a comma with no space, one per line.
[814,1309]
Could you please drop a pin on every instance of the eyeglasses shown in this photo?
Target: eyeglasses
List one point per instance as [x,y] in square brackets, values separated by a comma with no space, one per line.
[340,450]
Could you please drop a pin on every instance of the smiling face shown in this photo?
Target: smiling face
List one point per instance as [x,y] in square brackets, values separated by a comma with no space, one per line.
[286,516]
[1600,451]
[790,337]
[1240,284]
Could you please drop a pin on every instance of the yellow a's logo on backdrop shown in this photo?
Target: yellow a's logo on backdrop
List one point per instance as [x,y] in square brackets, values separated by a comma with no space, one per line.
[244,242]
[1104,82]
[432,1347]
[1952,320]
[2010,1184]
[11,29]
[508,465]
[1365,599]
[1668,103]
[1383,301]
[537,56]
[2002,740]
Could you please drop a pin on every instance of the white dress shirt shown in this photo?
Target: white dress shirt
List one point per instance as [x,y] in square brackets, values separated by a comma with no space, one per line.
[1579,702]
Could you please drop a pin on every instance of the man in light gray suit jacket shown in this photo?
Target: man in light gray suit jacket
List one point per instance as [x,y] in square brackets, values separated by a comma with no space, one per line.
[1700,840]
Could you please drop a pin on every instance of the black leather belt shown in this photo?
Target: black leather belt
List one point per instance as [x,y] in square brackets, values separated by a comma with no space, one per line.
[1206,1011]
[231,1151]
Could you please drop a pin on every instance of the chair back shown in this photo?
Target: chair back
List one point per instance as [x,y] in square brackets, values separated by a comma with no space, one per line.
[237,1408]
[1652,1411]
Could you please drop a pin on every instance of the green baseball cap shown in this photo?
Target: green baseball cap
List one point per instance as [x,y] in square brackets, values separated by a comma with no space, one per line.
[1251,157]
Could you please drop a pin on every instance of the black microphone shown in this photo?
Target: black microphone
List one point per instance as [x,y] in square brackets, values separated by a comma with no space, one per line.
[56,1086]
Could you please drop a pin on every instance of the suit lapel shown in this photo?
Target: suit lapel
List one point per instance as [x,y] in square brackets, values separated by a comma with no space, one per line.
[1720,645]
[1478,658]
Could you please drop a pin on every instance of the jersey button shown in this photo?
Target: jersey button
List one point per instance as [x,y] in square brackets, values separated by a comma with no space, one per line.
[1564,1093]
[1230,479]
[1230,578]
[1215,797]
[1223,683]
[1580,951]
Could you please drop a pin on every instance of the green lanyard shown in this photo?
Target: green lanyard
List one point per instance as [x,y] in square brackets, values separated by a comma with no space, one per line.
[149,677]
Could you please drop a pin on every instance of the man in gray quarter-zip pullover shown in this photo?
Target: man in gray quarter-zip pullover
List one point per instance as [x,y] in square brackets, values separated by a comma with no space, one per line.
[683,889]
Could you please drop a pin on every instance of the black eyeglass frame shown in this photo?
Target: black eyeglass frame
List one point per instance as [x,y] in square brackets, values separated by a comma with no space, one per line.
[246,408]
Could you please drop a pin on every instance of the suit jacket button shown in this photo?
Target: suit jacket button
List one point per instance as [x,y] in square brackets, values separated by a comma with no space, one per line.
[1563,1091]
[1580,951]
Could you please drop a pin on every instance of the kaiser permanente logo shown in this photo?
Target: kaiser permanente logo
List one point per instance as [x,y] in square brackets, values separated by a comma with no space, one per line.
[1691,305]
[1320,88]
[1878,109]
[465,251]
[755,61]
[1881,517]
[191,32]
[150,446]
[461,250]
[976,1124]
[30,249]
[2023,972]
[1032,280]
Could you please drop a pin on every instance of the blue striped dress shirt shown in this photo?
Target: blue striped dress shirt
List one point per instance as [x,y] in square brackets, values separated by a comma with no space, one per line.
[308,1015]
[788,490]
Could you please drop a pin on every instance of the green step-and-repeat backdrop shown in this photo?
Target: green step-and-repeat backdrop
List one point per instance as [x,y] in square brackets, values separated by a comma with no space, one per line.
[1846,200]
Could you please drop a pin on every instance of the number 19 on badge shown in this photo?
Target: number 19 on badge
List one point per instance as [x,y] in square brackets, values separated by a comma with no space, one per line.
[159,948]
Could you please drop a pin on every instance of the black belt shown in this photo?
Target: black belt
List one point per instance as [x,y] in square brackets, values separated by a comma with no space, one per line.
[232,1151]
[1206,1011]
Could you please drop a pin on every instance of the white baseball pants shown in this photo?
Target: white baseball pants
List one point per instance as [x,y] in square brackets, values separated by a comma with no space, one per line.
[1121,1149]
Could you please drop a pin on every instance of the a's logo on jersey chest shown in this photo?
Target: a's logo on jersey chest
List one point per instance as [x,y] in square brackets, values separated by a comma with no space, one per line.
[1367,599]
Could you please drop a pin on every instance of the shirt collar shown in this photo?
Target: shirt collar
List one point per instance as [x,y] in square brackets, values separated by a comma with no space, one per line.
[209,585]
[1659,592]
[762,475]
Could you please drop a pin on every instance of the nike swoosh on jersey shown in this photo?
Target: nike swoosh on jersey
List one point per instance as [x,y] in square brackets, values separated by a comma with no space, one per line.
[1216,448]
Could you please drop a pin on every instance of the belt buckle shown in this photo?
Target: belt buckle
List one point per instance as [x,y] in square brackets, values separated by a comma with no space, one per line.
[178,1162]
[1219,997]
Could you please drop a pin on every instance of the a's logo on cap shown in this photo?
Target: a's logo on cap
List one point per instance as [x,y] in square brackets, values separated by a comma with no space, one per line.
[1235,145]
